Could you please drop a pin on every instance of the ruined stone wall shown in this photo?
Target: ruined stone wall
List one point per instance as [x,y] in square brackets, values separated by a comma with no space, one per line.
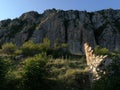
[95,63]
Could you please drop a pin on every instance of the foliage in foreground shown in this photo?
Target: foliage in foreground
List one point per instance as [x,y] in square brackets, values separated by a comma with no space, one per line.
[111,80]
[4,67]
[35,72]
[42,72]
[43,68]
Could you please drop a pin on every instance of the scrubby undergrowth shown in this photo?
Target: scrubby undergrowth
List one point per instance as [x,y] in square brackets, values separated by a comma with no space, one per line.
[39,67]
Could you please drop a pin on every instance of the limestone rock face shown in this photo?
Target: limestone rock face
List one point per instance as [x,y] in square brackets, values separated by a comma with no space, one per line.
[71,27]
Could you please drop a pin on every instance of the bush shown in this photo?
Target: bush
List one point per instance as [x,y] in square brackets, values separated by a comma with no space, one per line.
[29,48]
[101,51]
[46,43]
[18,52]
[4,66]
[59,50]
[35,73]
[9,48]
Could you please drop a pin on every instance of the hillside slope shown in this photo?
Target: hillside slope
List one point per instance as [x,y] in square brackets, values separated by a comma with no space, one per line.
[72,27]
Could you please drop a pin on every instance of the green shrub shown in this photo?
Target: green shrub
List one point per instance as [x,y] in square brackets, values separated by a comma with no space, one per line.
[18,52]
[101,51]
[46,43]
[45,46]
[9,48]
[4,67]
[35,73]
[59,50]
[29,48]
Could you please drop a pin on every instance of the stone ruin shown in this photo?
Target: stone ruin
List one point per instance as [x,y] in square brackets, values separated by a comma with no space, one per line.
[96,63]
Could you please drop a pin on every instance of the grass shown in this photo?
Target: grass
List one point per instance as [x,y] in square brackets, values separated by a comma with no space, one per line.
[63,71]
[66,72]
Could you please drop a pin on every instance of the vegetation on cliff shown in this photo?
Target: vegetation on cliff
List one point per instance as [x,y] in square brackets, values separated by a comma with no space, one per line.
[39,67]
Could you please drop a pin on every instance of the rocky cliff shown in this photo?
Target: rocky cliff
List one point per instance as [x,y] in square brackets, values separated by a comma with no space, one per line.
[72,27]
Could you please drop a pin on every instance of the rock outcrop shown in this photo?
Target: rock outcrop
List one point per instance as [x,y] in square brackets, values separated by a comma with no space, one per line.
[72,27]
